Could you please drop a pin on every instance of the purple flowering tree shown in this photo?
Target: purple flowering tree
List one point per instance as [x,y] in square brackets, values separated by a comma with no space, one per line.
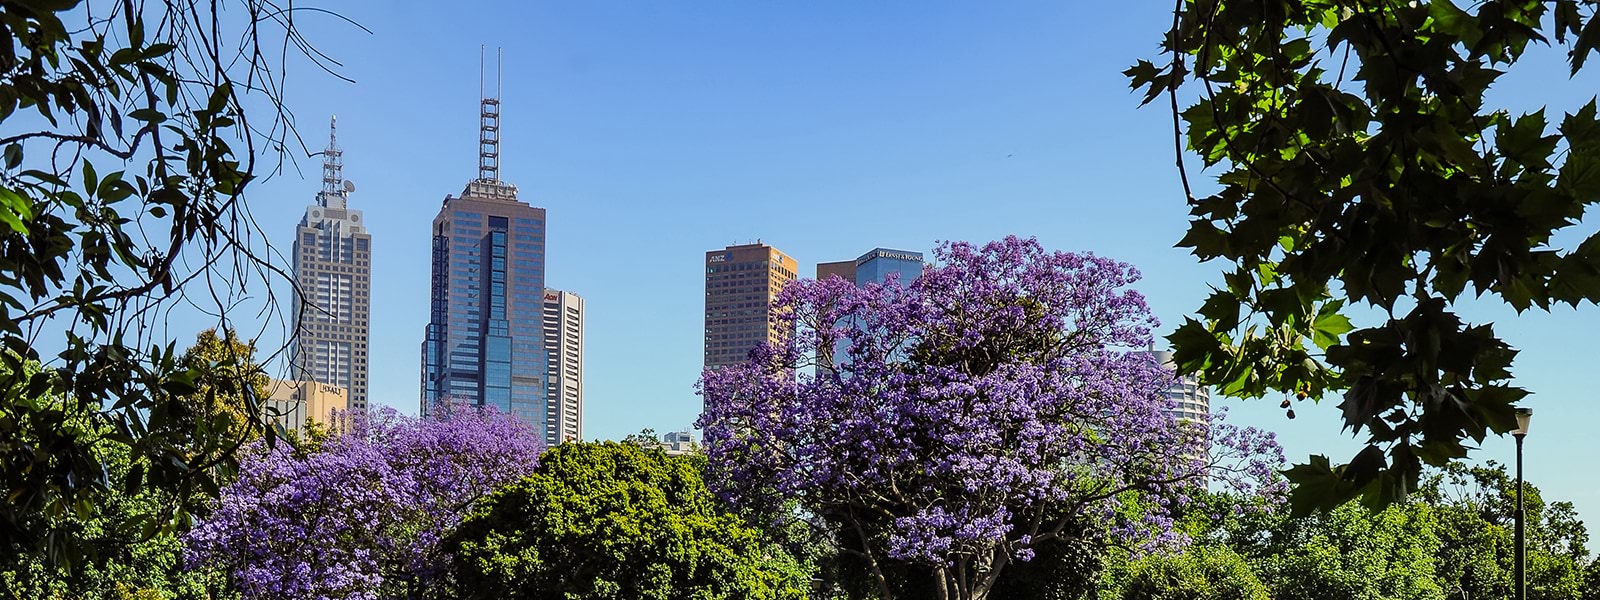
[362,517]
[969,417]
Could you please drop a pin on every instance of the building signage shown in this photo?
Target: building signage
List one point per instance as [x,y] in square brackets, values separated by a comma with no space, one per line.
[719,258]
[549,297]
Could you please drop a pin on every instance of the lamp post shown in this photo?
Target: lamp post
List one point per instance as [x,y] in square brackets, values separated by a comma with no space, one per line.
[1524,415]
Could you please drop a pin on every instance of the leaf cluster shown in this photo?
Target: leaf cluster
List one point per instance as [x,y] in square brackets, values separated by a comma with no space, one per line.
[1360,165]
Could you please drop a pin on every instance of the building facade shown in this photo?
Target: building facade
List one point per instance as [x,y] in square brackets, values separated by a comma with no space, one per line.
[741,282]
[1190,400]
[332,272]
[563,341]
[297,402]
[484,344]
[877,265]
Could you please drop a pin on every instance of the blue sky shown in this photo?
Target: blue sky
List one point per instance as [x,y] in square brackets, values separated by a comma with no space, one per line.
[653,132]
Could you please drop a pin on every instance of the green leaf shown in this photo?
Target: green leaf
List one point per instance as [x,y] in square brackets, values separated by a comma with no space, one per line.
[148,115]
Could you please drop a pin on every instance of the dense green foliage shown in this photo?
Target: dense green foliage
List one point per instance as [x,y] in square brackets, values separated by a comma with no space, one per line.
[1475,509]
[614,521]
[1200,573]
[126,147]
[1361,165]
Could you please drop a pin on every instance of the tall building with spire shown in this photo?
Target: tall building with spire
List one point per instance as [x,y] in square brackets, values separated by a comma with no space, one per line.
[333,275]
[485,340]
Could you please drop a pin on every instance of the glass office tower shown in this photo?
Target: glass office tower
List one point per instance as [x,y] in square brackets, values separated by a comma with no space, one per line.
[485,342]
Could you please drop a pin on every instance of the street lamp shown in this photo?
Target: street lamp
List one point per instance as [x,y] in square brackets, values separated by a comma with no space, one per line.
[1524,415]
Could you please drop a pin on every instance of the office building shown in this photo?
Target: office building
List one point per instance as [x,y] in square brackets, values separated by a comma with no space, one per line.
[332,273]
[294,403]
[875,267]
[741,282]
[679,443]
[563,341]
[485,341]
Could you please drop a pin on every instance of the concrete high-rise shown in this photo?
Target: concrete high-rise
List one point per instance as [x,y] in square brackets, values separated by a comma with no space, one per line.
[1190,400]
[741,282]
[332,274]
[563,340]
[485,342]
[299,402]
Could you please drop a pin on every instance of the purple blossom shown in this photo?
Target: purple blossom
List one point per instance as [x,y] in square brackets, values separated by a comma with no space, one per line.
[363,517]
[973,411]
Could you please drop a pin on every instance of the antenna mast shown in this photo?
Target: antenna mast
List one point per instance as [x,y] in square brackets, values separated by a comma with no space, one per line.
[332,160]
[489,124]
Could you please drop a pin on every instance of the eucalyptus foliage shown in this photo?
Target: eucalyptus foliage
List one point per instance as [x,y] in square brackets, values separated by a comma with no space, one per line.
[125,147]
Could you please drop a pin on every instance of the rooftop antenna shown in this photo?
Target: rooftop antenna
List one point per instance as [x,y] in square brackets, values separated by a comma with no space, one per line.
[489,124]
[332,161]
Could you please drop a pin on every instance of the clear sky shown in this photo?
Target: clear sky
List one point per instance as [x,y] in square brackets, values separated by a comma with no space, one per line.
[654,131]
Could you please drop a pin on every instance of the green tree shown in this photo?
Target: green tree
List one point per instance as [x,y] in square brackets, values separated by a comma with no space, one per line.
[1196,573]
[139,554]
[1349,553]
[226,402]
[127,147]
[614,521]
[1476,510]
[1359,164]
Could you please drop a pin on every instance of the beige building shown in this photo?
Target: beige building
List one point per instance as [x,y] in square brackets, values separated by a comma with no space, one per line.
[295,402]
[741,282]
[332,273]
[563,339]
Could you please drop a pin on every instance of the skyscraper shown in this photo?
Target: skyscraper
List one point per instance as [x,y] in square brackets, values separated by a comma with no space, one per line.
[875,266]
[741,282]
[563,340]
[1190,400]
[332,273]
[485,340]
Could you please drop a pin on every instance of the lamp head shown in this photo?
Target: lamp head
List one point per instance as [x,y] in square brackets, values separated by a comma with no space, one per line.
[1524,415]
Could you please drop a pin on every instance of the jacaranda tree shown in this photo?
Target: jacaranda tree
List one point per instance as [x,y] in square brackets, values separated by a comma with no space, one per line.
[941,430]
[363,517]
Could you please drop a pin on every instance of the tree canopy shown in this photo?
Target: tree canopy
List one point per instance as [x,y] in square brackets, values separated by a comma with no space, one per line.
[978,412]
[126,149]
[1359,164]
[363,516]
[615,521]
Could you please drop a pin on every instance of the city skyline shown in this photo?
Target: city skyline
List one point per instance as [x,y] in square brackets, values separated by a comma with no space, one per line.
[651,141]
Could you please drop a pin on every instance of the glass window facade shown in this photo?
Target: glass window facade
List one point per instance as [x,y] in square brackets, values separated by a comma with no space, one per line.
[484,343]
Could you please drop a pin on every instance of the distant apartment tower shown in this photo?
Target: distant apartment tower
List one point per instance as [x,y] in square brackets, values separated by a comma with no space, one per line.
[741,282]
[875,266]
[1190,400]
[332,274]
[563,340]
[485,342]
